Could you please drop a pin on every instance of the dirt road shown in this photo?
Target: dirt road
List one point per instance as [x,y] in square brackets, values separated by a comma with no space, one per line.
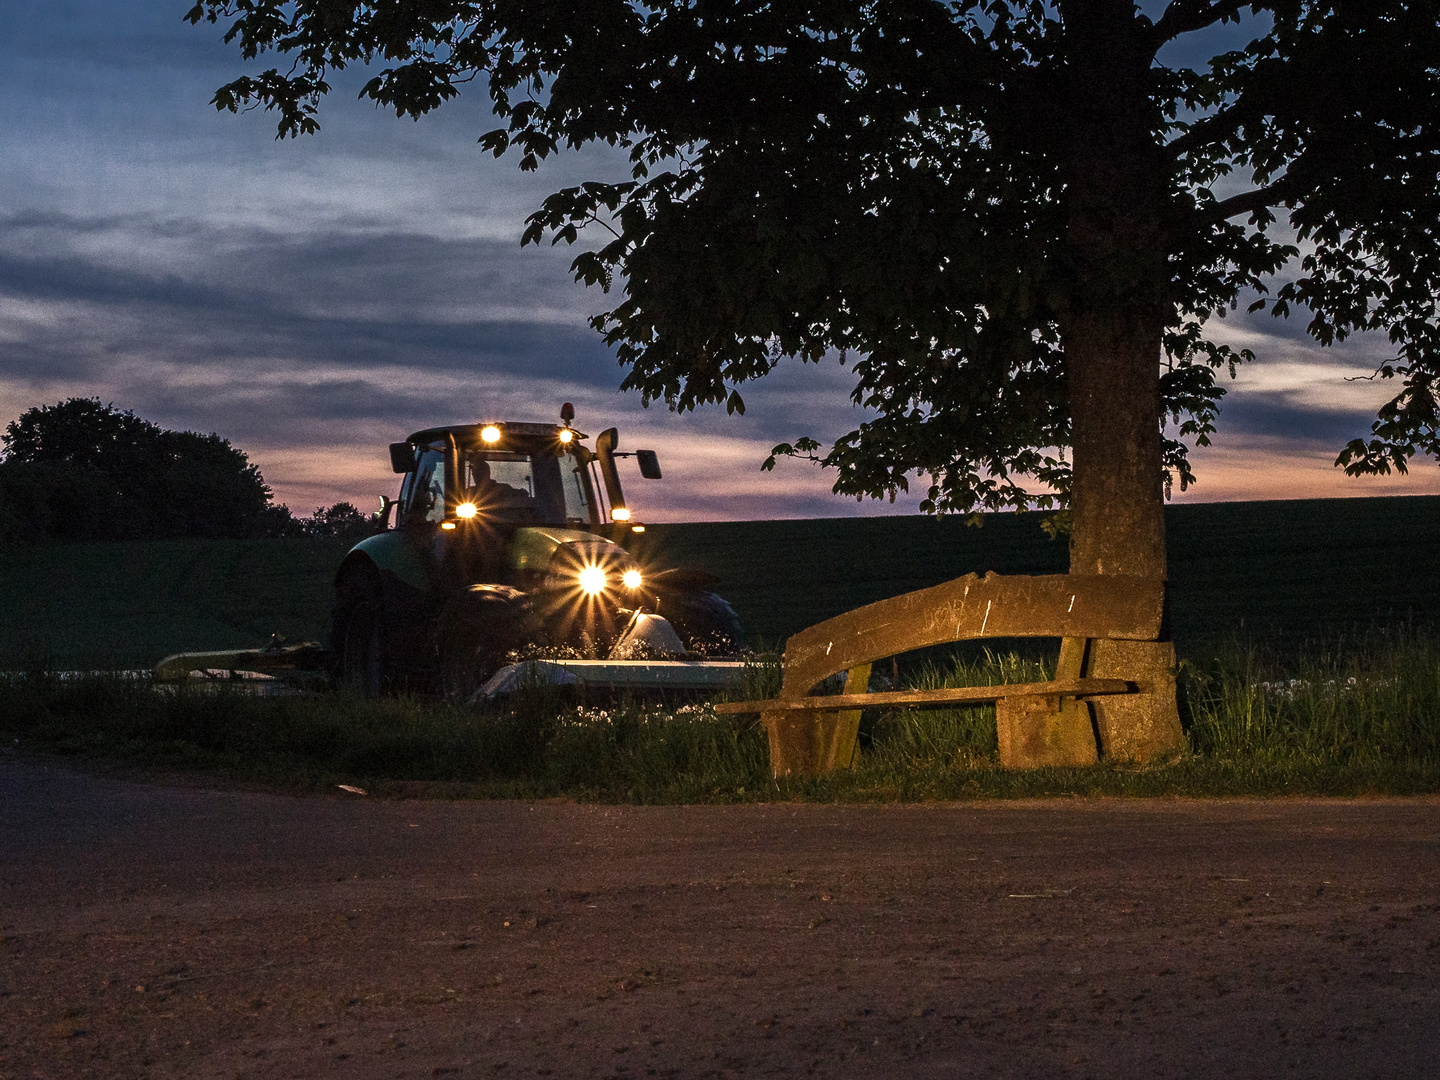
[180,932]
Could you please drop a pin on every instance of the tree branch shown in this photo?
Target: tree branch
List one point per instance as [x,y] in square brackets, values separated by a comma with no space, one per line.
[1211,129]
[1248,202]
[1183,16]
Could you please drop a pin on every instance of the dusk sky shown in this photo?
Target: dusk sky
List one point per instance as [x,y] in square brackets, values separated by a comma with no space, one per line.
[314,299]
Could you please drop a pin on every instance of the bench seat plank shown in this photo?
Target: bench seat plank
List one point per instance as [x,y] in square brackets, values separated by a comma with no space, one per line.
[946,696]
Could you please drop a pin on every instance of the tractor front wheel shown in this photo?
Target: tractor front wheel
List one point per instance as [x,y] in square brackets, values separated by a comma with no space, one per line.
[706,623]
[473,635]
[358,637]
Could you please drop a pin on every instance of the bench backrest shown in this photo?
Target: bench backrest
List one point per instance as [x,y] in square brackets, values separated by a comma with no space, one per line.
[970,607]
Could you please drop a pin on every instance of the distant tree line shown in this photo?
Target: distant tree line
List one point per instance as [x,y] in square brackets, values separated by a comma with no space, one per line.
[81,470]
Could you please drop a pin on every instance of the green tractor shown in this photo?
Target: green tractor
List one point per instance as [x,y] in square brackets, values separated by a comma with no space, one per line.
[508,544]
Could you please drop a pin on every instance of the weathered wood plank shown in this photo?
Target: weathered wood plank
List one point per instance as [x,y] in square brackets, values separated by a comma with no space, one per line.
[1054,605]
[946,696]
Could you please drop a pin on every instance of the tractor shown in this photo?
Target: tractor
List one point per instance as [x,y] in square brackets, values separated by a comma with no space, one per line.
[509,542]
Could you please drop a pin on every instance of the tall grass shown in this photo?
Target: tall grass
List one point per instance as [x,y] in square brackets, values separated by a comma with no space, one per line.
[1352,716]
[914,739]
[540,743]
[222,728]
[1366,701]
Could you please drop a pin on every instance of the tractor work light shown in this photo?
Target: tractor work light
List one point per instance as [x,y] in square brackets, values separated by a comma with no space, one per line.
[466,510]
[631,579]
[567,436]
[620,513]
[592,580]
[490,434]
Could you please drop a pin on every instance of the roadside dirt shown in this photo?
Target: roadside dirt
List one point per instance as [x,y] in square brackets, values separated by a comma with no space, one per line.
[181,932]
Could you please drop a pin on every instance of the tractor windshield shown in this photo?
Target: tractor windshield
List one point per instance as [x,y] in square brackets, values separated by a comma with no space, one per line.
[529,488]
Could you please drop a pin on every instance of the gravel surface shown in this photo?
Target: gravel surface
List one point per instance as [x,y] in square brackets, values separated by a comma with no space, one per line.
[175,931]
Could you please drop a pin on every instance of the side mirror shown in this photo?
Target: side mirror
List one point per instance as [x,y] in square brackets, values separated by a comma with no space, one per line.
[649,464]
[605,444]
[402,457]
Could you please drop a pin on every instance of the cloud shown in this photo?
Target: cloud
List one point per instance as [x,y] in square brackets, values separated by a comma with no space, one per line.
[376,277]
[313,352]
[1259,466]
[323,348]
[108,110]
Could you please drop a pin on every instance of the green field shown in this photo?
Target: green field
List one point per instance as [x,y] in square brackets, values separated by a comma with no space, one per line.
[1272,571]
[123,605]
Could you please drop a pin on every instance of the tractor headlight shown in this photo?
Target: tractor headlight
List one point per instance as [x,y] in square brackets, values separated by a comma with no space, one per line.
[592,580]
[490,433]
[620,513]
[631,579]
[466,510]
[566,435]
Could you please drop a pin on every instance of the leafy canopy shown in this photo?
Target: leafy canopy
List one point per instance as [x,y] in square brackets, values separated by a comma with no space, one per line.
[81,470]
[889,179]
[342,520]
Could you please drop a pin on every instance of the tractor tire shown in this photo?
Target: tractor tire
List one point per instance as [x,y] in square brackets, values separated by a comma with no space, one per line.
[475,632]
[357,636]
[706,623]
[467,660]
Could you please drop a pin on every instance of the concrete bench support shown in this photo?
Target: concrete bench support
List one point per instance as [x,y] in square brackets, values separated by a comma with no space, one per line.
[1144,726]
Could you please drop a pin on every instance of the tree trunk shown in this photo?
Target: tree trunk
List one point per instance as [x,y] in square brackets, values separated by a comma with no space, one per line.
[1116,187]
[1117,494]
[1115,191]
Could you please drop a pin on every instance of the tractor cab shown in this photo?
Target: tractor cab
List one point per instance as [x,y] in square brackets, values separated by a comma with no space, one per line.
[500,475]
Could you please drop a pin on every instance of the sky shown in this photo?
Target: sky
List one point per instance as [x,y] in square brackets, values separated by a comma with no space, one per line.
[313,300]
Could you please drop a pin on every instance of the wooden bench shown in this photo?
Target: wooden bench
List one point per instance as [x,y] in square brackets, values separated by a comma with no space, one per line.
[1110,665]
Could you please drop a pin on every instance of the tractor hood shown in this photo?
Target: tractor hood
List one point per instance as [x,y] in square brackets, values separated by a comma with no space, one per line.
[534,546]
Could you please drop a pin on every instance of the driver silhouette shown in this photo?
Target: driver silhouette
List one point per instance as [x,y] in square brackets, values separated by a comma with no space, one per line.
[488,491]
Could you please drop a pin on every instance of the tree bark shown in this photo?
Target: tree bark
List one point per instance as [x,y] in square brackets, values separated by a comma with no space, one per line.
[1117,493]
[1116,187]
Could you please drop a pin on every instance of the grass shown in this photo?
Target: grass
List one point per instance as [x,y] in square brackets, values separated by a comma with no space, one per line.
[1363,703]
[1350,717]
